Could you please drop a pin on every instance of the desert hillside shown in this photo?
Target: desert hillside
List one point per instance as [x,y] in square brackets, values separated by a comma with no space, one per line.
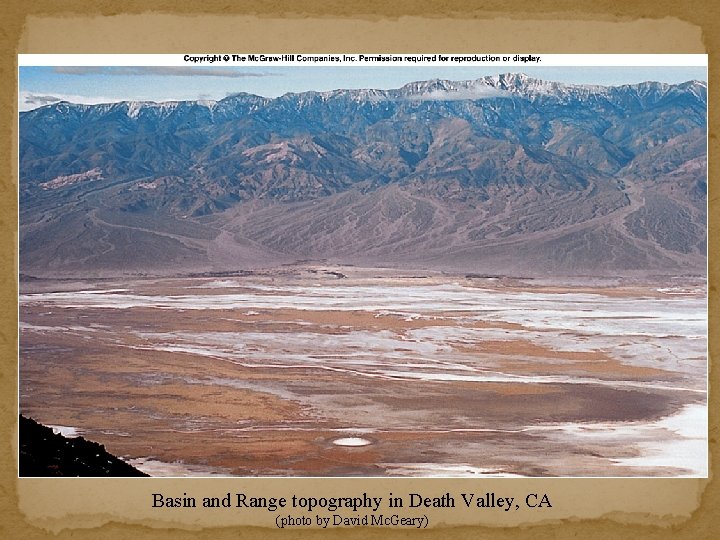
[503,174]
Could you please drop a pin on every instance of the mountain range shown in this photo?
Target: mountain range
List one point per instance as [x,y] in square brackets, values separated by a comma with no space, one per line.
[505,174]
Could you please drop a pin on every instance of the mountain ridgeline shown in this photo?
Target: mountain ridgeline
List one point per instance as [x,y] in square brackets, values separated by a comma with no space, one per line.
[503,174]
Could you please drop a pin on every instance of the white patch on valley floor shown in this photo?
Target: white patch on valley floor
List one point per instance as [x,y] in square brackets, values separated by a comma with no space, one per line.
[685,448]
[582,313]
[217,284]
[351,441]
[154,467]
[24,326]
[441,470]
[66,431]
[677,442]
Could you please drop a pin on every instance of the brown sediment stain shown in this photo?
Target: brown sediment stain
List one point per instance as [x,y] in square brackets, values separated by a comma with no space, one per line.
[539,359]
[510,389]
[174,402]
[144,319]
[527,348]
[604,369]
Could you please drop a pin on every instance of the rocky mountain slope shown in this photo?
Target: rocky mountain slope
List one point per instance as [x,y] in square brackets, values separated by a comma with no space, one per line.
[504,174]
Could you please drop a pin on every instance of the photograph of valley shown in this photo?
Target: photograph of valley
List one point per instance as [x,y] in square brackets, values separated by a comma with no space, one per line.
[344,271]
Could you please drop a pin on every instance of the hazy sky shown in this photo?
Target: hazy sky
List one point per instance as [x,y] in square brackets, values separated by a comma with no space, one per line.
[42,85]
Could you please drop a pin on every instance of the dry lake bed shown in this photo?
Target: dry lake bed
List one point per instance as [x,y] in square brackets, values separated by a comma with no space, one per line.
[326,371]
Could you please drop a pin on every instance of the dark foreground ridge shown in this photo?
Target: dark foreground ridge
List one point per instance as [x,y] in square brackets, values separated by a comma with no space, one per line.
[45,453]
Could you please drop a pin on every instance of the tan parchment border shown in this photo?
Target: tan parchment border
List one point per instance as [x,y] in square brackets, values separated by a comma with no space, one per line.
[120,508]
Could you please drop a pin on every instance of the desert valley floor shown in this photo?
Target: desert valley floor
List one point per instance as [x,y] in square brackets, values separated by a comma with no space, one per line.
[339,371]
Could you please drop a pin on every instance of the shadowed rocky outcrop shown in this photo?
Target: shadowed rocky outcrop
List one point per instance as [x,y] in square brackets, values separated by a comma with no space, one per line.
[45,453]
